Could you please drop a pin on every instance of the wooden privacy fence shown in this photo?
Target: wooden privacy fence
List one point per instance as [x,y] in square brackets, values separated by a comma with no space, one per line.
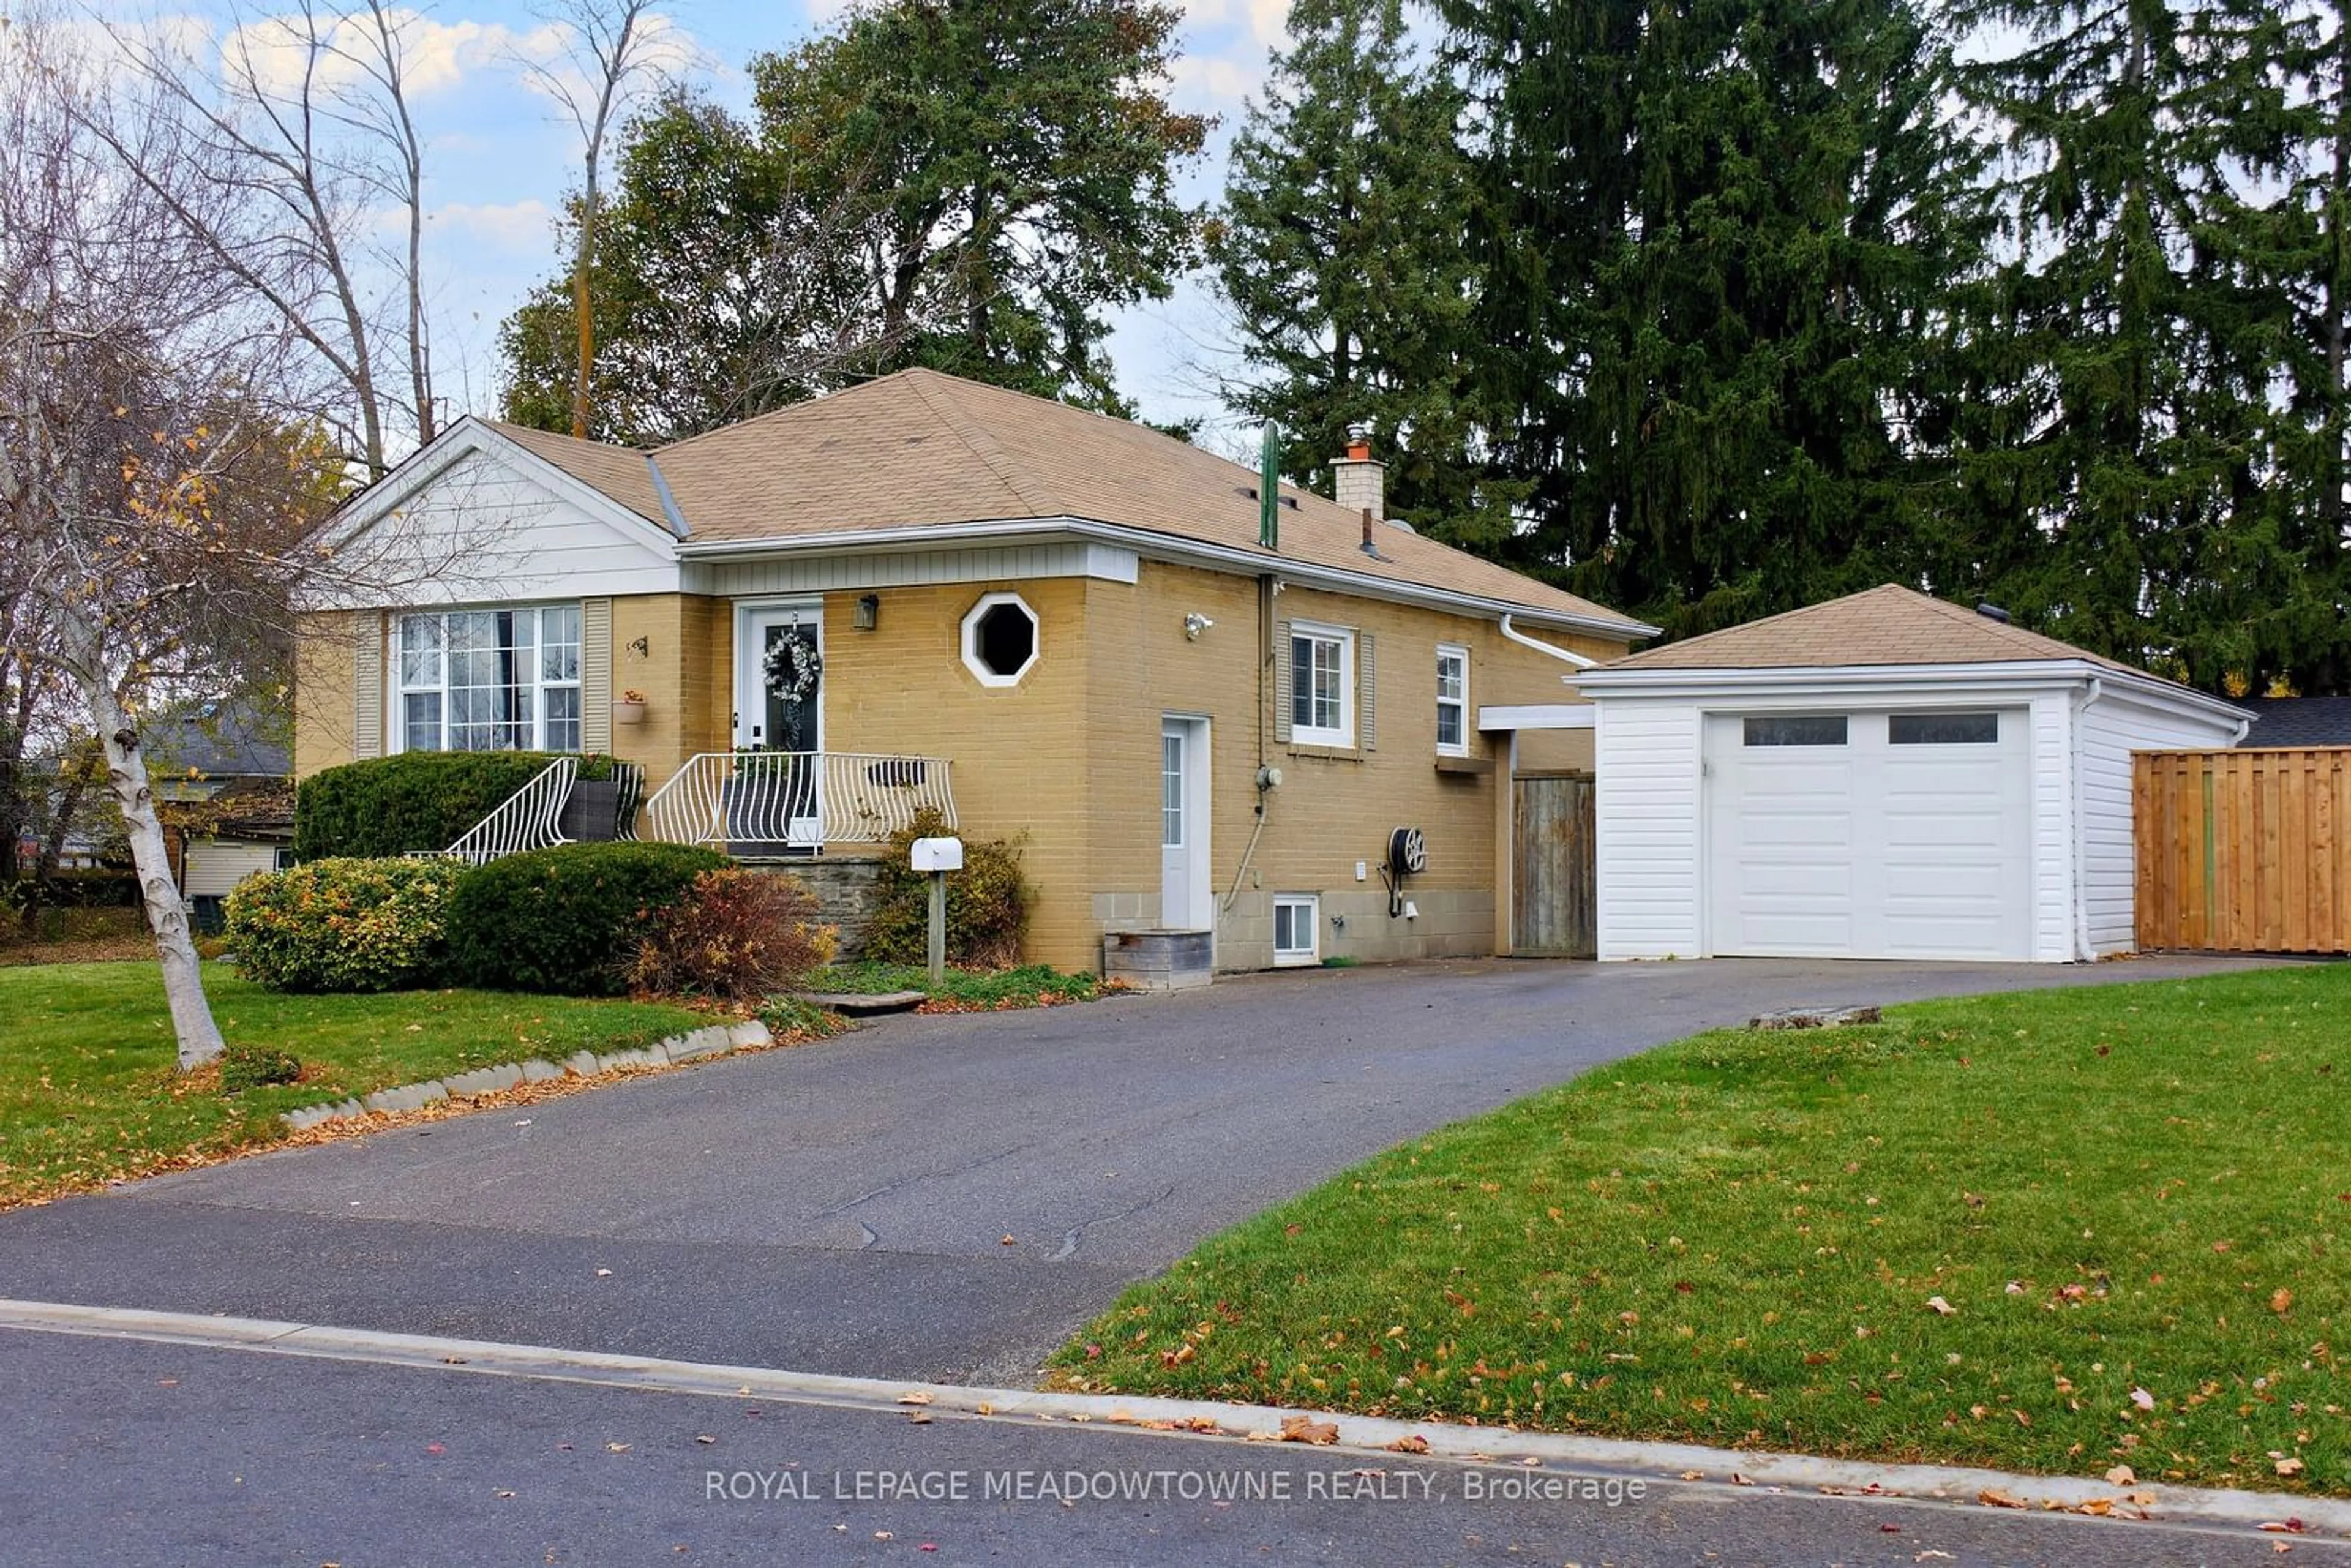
[2245,852]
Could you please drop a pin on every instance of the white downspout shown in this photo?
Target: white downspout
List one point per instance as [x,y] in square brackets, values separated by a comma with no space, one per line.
[1523,641]
[2082,952]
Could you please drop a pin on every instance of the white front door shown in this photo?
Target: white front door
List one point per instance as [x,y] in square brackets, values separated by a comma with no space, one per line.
[1869,835]
[1186,897]
[774,799]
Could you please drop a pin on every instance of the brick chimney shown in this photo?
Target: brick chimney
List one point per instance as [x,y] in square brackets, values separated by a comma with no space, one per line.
[1359,479]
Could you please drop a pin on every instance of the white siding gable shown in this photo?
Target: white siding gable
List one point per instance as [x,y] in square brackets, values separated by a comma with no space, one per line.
[484,522]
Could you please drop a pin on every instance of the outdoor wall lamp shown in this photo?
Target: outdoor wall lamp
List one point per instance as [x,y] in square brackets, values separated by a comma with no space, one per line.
[869,613]
[641,648]
[1193,625]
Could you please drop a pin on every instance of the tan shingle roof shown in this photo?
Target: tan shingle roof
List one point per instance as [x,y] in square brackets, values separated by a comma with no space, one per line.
[920,449]
[619,472]
[1888,625]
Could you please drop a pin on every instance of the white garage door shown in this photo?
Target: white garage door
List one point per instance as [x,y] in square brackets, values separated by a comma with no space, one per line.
[1869,835]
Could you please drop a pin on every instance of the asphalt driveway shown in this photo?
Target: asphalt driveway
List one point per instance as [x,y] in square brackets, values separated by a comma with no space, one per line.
[933,1197]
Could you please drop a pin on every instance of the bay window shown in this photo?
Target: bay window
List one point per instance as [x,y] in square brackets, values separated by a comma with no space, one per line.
[491,680]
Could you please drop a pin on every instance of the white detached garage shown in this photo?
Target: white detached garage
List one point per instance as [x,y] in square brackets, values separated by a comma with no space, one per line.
[1884,776]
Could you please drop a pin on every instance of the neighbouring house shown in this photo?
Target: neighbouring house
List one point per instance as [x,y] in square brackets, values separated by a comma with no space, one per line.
[224,777]
[1038,621]
[2297,721]
[1884,776]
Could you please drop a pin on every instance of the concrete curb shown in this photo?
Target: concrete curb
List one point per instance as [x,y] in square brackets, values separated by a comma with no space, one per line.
[2314,1518]
[717,1040]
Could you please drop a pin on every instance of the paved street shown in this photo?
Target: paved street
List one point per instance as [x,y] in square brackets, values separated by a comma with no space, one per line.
[842,1209]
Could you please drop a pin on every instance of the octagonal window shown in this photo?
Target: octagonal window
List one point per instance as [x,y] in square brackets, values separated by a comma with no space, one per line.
[999,639]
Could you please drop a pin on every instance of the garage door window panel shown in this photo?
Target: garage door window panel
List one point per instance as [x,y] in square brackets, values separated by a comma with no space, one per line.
[1794,729]
[1943,729]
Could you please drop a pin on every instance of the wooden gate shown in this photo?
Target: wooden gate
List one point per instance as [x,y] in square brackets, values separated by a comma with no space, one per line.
[1553,910]
[2244,851]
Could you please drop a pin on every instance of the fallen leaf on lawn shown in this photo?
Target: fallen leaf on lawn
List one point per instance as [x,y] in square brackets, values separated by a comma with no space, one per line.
[2280,1546]
[883,1535]
[2099,1506]
[915,1397]
[1121,1418]
[704,1438]
[1410,1443]
[1738,1481]
[1992,1496]
[985,1408]
[2281,1527]
[1940,1307]
[1009,1241]
[2289,1466]
[2142,1399]
[1306,1429]
[2016,1287]
[1200,1424]
[2282,1302]
[1693,1475]
[616,1448]
[2122,1476]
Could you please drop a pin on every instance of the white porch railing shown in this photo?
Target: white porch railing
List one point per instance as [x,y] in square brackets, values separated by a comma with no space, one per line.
[525,821]
[776,802]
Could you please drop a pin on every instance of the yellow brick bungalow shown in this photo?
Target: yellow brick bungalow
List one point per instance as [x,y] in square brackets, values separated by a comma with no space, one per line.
[1046,621]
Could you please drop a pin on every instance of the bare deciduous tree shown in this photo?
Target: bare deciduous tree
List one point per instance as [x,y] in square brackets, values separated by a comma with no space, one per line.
[294,144]
[159,492]
[613,52]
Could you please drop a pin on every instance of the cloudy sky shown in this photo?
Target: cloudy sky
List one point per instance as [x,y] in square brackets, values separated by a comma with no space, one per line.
[502,156]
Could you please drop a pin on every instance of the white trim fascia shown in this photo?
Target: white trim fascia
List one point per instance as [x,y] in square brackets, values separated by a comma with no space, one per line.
[462,439]
[1160,547]
[1537,715]
[1842,680]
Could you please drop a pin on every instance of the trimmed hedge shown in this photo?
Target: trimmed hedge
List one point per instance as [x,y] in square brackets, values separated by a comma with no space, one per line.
[988,901]
[344,925]
[566,920]
[416,801]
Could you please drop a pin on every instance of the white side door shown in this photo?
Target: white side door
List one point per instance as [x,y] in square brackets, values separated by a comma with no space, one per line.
[1186,897]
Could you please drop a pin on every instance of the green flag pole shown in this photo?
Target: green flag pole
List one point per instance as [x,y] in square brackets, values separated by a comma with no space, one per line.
[1268,488]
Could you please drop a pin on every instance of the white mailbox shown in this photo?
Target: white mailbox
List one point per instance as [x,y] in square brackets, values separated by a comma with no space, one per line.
[936,854]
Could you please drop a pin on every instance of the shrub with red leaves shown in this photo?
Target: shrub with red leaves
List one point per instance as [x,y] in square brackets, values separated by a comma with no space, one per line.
[739,934]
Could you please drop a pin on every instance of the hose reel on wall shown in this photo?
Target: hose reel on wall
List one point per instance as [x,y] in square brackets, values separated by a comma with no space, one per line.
[1407,856]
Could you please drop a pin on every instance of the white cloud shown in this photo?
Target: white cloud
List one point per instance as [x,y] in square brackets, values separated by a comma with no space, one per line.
[527,225]
[1215,76]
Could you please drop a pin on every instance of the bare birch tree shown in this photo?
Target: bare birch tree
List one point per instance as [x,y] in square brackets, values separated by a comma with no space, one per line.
[160,491]
[614,52]
[295,143]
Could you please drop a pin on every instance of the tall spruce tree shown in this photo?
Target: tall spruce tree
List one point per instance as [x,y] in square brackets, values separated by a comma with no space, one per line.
[1716,241]
[1339,250]
[2143,318]
[2307,638]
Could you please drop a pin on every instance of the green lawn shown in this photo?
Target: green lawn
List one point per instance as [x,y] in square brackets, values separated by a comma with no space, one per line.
[88,1089]
[2135,1201]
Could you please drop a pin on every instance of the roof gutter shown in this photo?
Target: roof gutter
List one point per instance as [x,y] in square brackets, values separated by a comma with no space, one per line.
[1161,546]
[1523,641]
[1610,680]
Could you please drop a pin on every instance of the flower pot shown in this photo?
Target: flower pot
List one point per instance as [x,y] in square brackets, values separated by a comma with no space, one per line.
[628,713]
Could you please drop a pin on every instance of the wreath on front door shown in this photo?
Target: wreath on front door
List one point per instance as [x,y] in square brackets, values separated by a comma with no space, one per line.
[793,668]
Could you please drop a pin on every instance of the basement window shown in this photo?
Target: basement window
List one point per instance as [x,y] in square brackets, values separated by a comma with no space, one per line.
[1296,928]
[999,639]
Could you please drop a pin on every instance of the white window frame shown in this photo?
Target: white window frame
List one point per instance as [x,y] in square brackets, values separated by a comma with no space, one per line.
[1459,703]
[1310,903]
[1344,733]
[397,690]
[978,666]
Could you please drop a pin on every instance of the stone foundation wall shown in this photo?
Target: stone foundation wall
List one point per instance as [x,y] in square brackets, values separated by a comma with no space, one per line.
[846,889]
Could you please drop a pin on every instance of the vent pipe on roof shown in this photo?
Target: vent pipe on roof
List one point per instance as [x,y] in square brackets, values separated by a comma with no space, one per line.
[1369,547]
[1990,611]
